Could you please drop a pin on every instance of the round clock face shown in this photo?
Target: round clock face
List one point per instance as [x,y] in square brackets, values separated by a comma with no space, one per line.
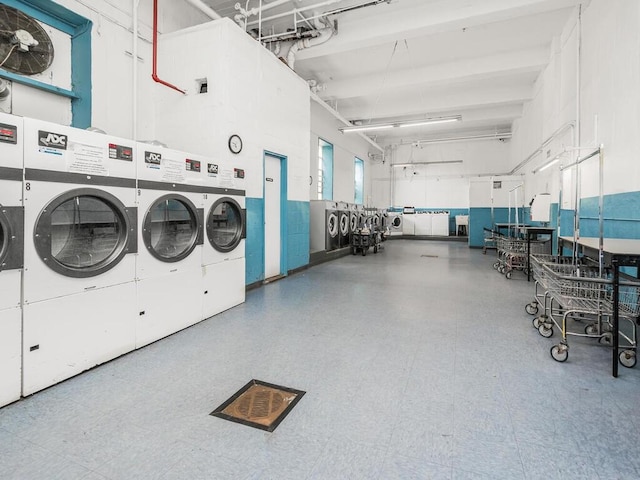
[235,143]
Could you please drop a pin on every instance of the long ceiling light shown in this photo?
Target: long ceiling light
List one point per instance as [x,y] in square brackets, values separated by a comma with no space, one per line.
[407,123]
[551,162]
[411,164]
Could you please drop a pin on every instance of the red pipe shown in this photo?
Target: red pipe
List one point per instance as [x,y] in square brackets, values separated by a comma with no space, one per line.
[154,73]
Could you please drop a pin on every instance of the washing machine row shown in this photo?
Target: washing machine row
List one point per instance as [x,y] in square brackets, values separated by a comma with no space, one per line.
[102,249]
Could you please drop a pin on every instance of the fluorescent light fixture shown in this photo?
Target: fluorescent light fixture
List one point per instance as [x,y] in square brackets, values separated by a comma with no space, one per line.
[551,162]
[362,128]
[411,164]
[429,122]
[407,123]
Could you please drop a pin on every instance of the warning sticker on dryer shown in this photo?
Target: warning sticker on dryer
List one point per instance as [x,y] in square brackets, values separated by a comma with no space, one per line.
[172,170]
[90,159]
[226,178]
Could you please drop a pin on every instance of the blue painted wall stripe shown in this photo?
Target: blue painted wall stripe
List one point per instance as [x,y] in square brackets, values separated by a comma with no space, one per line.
[254,243]
[298,238]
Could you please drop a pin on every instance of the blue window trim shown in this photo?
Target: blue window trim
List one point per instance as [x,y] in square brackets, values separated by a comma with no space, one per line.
[79,28]
[327,176]
[357,200]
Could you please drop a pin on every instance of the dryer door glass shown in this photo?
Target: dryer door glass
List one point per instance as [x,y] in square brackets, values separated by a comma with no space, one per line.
[86,231]
[4,238]
[173,227]
[224,225]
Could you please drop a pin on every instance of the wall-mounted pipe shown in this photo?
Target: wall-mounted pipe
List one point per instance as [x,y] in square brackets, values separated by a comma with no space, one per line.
[154,72]
[540,149]
[324,35]
[206,9]
[134,71]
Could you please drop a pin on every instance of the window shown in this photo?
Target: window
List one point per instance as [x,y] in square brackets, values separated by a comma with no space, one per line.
[358,196]
[325,170]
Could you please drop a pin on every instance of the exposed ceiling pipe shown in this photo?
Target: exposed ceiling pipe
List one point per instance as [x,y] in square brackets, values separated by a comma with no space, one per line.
[254,11]
[206,9]
[487,136]
[324,34]
[134,71]
[291,12]
[154,72]
[337,115]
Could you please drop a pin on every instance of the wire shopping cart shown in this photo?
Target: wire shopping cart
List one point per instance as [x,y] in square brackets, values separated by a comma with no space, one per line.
[584,294]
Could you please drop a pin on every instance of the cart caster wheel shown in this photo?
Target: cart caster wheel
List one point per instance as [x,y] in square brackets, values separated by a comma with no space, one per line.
[628,358]
[508,275]
[560,352]
[526,271]
[501,269]
[375,249]
[496,265]
[545,330]
[484,251]
[591,330]
[531,308]
[606,339]
[364,252]
[536,323]
[353,251]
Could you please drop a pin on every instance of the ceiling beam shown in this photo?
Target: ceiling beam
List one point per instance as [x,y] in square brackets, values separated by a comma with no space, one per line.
[406,20]
[449,102]
[467,70]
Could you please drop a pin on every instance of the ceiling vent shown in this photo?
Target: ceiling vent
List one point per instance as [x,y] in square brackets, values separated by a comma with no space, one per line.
[25,47]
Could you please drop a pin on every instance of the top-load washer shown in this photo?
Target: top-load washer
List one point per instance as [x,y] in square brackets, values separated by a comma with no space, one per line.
[170,237]
[223,252]
[79,293]
[343,224]
[11,256]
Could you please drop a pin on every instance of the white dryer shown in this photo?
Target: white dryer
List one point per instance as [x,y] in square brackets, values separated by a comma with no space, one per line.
[223,252]
[79,293]
[170,238]
[11,257]
[343,224]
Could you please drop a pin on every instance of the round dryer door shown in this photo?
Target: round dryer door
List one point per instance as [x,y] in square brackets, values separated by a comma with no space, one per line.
[344,224]
[5,235]
[397,222]
[170,229]
[353,221]
[225,224]
[83,233]
[332,224]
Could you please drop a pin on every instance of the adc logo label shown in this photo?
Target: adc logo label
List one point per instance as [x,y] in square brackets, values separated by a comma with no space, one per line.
[153,158]
[52,140]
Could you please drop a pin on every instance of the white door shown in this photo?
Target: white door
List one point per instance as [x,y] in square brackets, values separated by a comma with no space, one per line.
[272,207]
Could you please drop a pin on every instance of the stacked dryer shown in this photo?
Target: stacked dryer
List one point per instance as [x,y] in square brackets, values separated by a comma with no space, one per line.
[169,265]
[79,294]
[11,256]
[223,252]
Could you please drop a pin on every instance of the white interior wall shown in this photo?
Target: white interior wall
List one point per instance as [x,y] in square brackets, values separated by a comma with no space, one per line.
[112,45]
[609,76]
[439,185]
[250,93]
[346,147]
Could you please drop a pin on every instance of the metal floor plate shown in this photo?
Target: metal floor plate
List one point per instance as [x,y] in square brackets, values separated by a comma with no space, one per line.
[260,405]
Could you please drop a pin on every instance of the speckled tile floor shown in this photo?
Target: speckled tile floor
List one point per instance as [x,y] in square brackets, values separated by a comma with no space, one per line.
[414,367]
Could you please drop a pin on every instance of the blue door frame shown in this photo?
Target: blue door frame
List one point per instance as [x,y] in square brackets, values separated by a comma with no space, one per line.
[283,210]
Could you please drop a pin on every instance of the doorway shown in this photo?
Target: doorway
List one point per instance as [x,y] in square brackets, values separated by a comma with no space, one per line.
[275,195]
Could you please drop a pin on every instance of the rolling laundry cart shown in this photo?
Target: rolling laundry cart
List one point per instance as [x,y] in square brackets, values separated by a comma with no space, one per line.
[364,238]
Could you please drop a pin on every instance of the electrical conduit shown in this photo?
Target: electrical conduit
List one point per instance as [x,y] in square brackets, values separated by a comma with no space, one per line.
[154,73]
